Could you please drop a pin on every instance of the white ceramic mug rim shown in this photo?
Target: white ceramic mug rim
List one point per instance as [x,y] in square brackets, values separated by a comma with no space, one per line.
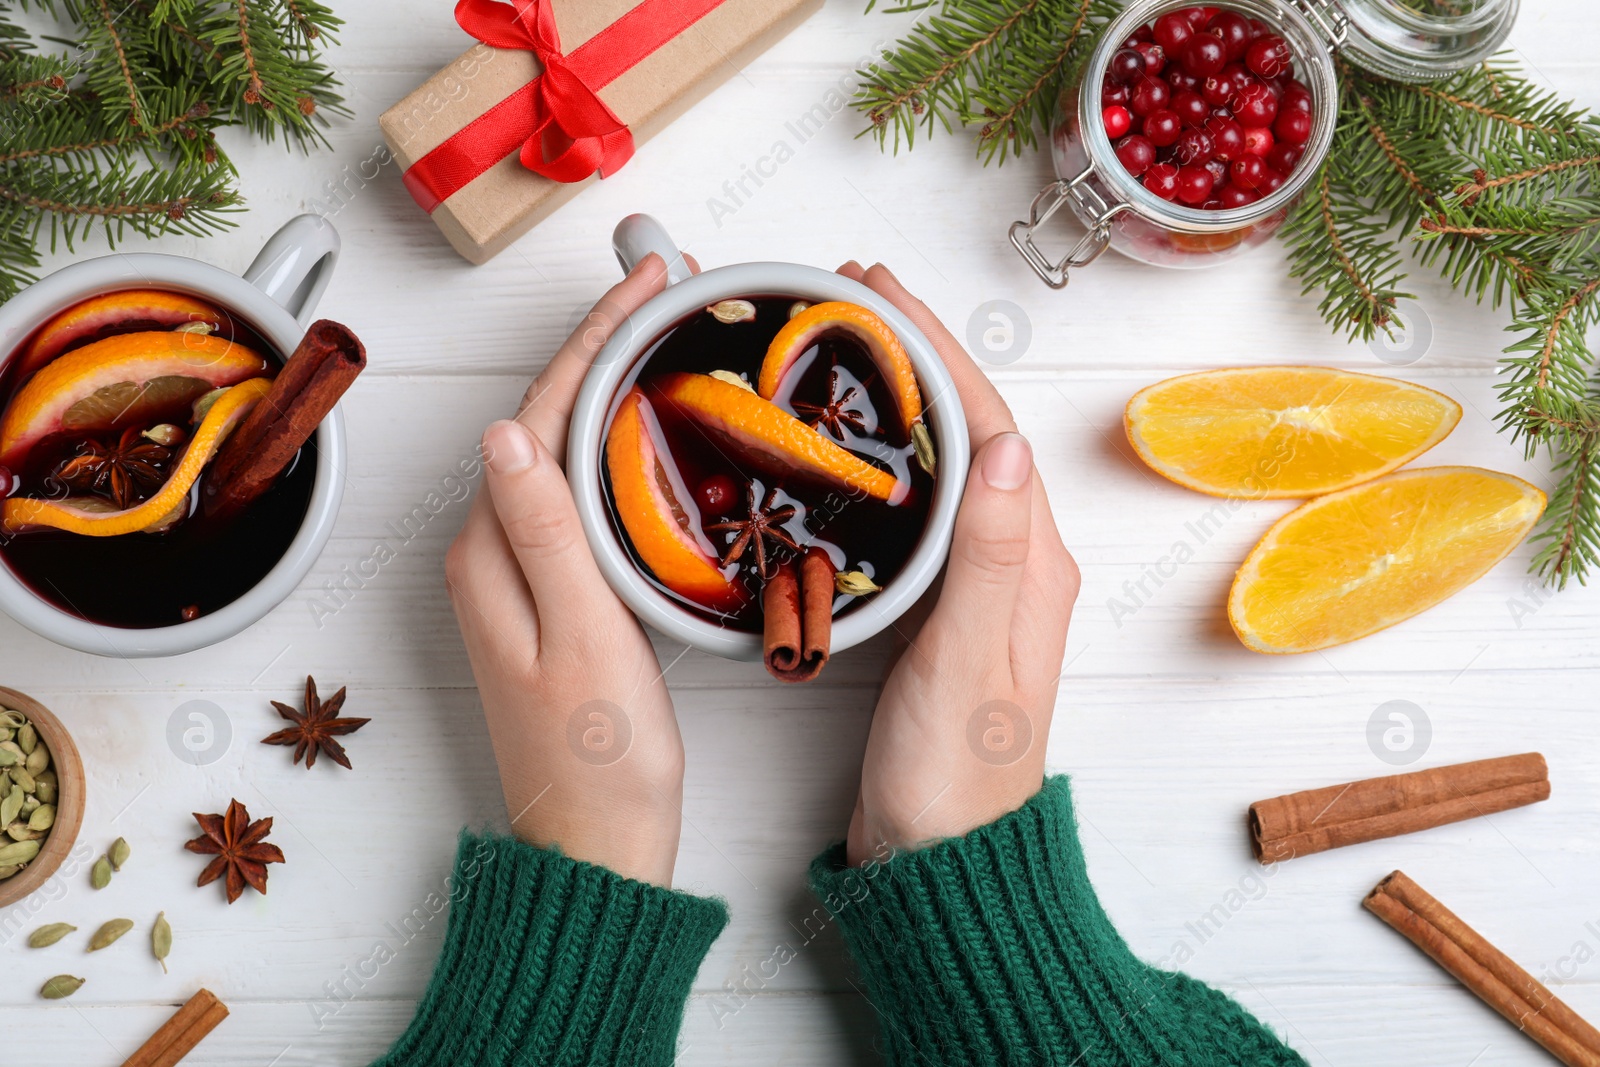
[612,364]
[75,282]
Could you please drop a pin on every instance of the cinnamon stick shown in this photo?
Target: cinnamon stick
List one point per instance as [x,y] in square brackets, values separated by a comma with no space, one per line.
[180,1034]
[1485,970]
[797,608]
[317,374]
[1316,820]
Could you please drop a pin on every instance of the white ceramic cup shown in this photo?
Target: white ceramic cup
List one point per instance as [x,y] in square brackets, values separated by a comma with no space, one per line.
[276,296]
[638,235]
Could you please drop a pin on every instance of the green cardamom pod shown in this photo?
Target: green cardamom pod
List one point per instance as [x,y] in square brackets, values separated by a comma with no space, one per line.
[21,777]
[7,872]
[108,933]
[12,719]
[161,940]
[922,444]
[48,776]
[46,936]
[119,853]
[18,831]
[38,760]
[26,738]
[10,806]
[99,874]
[43,817]
[62,985]
[45,791]
[18,852]
[855,583]
[9,758]
[30,805]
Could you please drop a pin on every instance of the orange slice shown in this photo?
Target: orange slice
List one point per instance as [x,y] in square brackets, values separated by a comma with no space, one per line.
[649,493]
[866,329]
[769,437]
[130,309]
[1266,432]
[120,381]
[93,521]
[1351,563]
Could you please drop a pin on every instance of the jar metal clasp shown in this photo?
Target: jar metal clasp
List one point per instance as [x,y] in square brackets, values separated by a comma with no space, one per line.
[1090,207]
[1328,18]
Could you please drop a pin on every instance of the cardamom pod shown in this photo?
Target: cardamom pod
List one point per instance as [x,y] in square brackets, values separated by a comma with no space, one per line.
[27,737]
[62,985]
[18,852]
[38,760]
[108,933]
[922,444]
[30,804]
[46,936]
[10,806]
[193,327]
[118,855]
[21,777]
[11,755]
[18,831]
[12,719]
[7,872]
[731,311]
[161,940]
[43,817]
[45,791]
[7,734]
[732,379]
[100,873]
[797,307]
[855,583]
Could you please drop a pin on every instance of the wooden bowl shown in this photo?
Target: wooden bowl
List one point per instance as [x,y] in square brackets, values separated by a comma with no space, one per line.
[68,765]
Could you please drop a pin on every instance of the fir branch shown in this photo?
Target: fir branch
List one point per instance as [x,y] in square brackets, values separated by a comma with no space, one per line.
[136,114]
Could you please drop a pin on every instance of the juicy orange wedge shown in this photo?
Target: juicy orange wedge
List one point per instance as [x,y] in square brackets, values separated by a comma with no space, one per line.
[862,326]
[120,381]
[1266,432]
[769,437]
[129,309]
[649,493]
[1351,563]
[90,520]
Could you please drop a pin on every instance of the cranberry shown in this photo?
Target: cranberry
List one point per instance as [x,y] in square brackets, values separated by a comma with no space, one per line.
[8,481]
[1240,75]
[1197,16]
[1233,30]
[1218,171]
[1233,196]
[1274,183]
[1258,141]
[1195,146]
[1212,204]
[1248,173]
[1172,30]
[1227,137]
[1118,121]
[1150,94]
[1191,108]
[1162,127]
[1256,106]
[1143,33]
[1296,97]
[1258,29]
[1136,153]
[717,494]
[1162,179]
[1293,126]
[1204,55]
[1126,66]
[1154,56]
[1112,93]
[1217,90]
[1283,157]
[1181,80]
[1194,185]
[1268,56]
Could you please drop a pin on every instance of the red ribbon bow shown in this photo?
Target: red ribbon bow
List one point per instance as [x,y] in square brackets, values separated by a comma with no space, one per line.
[565,132]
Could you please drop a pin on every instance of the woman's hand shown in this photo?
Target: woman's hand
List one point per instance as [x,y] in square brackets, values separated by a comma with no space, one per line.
[958,738]
[590,756]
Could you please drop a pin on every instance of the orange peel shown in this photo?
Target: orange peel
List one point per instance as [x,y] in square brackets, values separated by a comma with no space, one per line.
[143,307]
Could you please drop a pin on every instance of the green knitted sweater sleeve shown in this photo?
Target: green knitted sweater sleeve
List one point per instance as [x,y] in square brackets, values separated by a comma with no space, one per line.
[553,961]
[992,949]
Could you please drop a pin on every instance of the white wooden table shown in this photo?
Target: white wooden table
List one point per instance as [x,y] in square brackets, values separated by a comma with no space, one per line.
[1169,726]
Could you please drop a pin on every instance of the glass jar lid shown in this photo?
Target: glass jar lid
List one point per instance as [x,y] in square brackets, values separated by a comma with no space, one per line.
[1414,40]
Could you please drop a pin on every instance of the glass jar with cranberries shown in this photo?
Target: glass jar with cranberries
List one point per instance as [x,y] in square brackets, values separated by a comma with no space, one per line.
[1195,128]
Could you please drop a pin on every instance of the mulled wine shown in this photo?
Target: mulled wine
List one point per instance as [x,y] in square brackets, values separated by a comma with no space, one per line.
[758,430]
[114,411]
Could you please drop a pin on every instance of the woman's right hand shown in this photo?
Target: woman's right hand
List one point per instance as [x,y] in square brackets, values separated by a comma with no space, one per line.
[958,738]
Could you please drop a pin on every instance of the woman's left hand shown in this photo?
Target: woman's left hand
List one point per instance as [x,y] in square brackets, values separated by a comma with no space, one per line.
[583,728]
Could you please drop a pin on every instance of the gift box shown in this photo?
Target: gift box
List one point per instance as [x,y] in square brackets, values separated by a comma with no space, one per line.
[558,92]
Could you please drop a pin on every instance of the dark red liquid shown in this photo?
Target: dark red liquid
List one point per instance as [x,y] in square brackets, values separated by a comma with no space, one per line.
[145,580]
[858,532]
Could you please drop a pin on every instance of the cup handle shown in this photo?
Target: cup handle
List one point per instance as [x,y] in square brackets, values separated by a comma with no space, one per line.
[637,236]
[296,263]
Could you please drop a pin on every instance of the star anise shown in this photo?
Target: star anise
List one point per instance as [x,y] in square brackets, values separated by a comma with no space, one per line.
[837,412]
[118,470]
[317,728]
[240,847]
[753,534]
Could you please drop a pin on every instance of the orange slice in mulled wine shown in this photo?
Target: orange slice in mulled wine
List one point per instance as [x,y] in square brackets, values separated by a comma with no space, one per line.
[91,519]
[647,492]
[888,355]
[121,381]
[128,310]
[755,429]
